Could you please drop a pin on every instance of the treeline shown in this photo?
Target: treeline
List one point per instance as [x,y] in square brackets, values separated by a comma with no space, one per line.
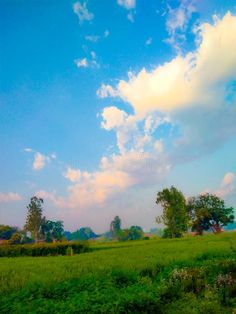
[204,212]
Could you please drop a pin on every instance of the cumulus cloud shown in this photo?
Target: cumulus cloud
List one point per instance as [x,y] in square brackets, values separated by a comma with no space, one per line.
[82,12]
[73,174]
[9,197]
[191,90]
[112,117]
[227,185]
[40,161]
[180,108]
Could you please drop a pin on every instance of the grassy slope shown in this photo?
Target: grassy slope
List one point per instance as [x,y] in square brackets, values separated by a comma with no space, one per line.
[123,277]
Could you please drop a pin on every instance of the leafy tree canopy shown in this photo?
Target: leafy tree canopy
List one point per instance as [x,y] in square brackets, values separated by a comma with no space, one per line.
[208,212]
[174,215]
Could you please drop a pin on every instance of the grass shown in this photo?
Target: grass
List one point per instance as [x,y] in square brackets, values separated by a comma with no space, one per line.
[189,275]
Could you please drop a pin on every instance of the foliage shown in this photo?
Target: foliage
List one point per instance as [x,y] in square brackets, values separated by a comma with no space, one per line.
[16,238]
[51,231]
[174,211]
[42,249]
[6,232]
[34,217]
[133,233]
[84,233]
[208,211]
[115,226]
[188,275]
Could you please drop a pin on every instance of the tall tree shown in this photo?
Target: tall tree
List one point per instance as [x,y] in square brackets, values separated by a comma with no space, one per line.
[174,215]
[208,212]
[115,226]
[34,217]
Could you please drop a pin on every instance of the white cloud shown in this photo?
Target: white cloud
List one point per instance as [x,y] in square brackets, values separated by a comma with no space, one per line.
[73,174]
[191,90]
[28,150]
[40,161]
[177,22]
[106,91]
[227,185]
[113,117]
[85,63]
[127,4]
[82,63]
[130,6]
[82,12]
[9,197]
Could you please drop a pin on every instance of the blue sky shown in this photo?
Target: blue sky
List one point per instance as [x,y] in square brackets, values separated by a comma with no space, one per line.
[104,103]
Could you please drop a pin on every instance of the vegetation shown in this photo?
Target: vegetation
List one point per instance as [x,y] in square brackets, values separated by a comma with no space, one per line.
[43,249]
[34,217]
[187,275]
[208,212]
[174,215]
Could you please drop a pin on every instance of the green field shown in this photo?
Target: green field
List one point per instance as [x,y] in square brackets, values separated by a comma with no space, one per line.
[189,275]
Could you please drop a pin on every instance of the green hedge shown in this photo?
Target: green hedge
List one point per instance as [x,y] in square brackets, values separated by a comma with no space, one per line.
[43,249]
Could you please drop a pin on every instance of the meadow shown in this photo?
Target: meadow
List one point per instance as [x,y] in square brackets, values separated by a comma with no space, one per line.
[187,275]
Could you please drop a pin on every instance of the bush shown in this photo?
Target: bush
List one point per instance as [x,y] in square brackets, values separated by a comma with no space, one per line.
[43,249]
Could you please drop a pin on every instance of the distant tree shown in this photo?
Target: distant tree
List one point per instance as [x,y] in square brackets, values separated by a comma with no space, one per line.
[51,231]
[34,217]
[208,212]
[174,215]
[115,226]
[16,238]
[6,232]
[86,233]
[135,233]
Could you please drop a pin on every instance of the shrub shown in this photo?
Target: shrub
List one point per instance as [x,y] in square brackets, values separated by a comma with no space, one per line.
[43,249]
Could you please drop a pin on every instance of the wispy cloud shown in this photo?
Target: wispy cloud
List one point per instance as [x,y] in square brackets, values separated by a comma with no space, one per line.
[88,63]
[82,12]
[130,6]
[82,63]
[177,21]
[92,38]
[9,197]
[148,41]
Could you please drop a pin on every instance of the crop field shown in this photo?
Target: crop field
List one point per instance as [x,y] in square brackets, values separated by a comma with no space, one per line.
[188,275]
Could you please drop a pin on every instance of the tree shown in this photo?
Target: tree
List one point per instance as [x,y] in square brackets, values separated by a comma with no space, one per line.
[208,212]
[16,238]
[174,215]
[115,226]
[50,230]
[34,217]
[6,232]
[135,233]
